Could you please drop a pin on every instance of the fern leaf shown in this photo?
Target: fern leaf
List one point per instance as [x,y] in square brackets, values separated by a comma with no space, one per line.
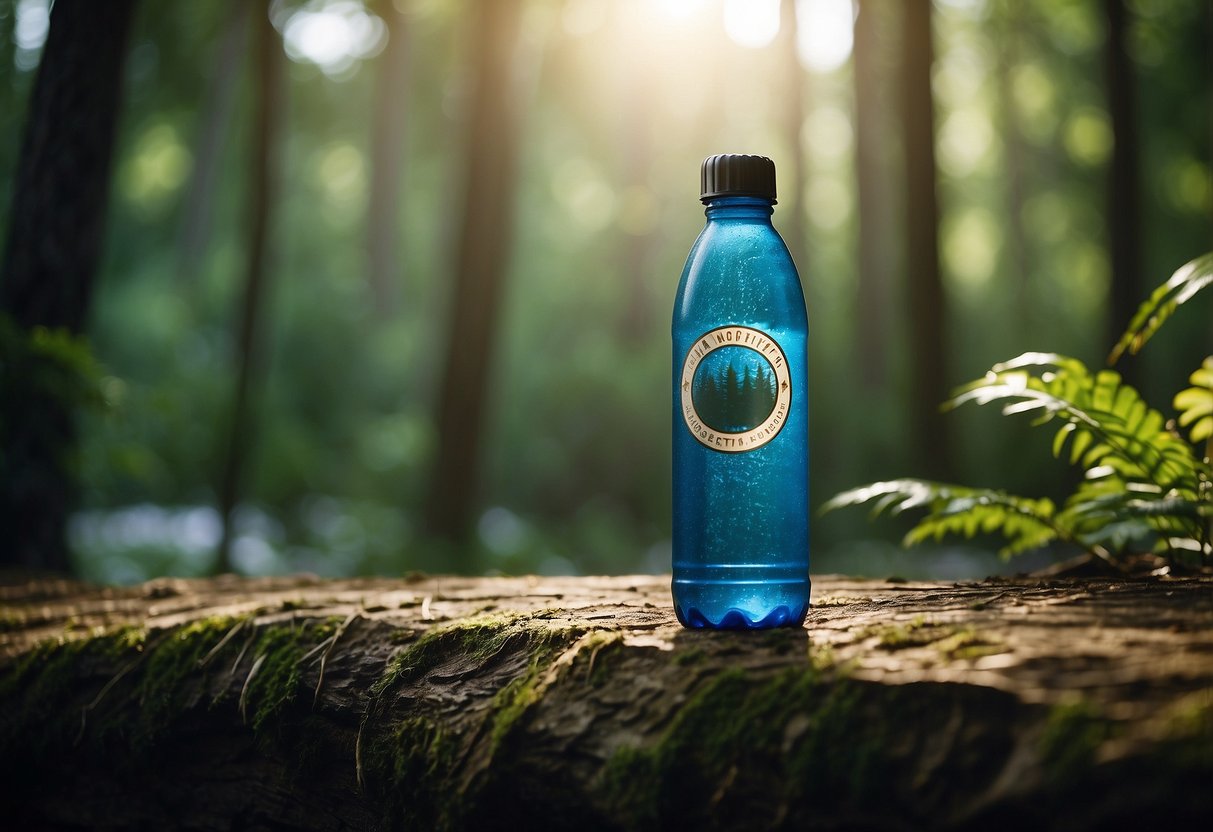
[1135,511]
[1195,404]
[1081,443]
[1107,423]
[1189,279]
[886,495]
[1027,542]
[1025,523]
[951,509]
[1059,441]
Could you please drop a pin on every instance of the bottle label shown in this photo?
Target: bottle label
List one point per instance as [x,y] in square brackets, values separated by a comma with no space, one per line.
[736,389]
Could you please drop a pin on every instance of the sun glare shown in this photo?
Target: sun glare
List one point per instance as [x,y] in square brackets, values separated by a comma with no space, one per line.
[751,23]
[29,33]
[680,9]
[333,34]
[824,33]
[583,17]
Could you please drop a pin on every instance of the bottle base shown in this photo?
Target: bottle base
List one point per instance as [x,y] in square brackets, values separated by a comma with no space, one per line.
[735,619]
[739,604]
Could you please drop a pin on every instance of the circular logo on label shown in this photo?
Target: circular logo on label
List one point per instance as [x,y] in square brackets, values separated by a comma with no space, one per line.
[736,389]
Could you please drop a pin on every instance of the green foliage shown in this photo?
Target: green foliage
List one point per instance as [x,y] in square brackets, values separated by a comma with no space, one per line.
[1143,484]
[45,375]
[1195,404]
[953,509]
[1105,422]
[51,363]
[1188,279]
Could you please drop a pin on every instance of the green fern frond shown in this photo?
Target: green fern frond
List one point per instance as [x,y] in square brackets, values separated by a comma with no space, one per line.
[1099,504]
[893,496]
[1143,484]
[1188,279]
[1169,545]
[1195,404]
[952,509]
[1107,423]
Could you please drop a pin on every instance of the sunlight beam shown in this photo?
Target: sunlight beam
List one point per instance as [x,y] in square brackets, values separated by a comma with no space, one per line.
[751,23]
[824,33]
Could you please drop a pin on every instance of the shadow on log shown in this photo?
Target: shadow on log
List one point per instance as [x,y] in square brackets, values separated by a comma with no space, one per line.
[445,703]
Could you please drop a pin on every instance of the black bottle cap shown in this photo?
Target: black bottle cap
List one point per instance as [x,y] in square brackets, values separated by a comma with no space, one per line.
[736,174]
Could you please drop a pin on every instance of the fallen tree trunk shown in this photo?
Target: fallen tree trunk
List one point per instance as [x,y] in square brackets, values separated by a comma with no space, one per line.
[580,703]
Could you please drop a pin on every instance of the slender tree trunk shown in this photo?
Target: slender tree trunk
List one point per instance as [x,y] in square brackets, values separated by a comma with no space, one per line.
[791,170]
[250,340]
[924,285]
[636,253]
[213,127]
[1124,187]
[875,225]
[57,223]
[387,163]
[1012,139]
[482,258]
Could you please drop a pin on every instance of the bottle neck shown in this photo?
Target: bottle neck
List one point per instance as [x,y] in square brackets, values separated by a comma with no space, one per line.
[740,208]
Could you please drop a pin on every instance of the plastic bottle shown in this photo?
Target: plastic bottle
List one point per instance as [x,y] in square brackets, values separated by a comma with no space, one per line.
[740,406]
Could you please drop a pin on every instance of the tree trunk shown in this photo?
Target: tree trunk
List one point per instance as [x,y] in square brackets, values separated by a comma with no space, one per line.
[213,125]
[1127,290]
[794,228]
[482,259]
[56,227]
[636,250]
[876,231]
[383,225]
[250,340]
[926,301]
[579,703]
[1014,166]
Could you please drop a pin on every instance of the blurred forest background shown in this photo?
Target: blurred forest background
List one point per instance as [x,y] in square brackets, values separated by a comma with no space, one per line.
[385,285]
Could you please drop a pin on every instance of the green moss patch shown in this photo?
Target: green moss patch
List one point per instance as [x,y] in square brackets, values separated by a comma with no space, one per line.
[968,644]
[417,765]
[126,688]
[916,632]
[952,641]
[794,737]
[1073,734]
[474,640]
[756,749]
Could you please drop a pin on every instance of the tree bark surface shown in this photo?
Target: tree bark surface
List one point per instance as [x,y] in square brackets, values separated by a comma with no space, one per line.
[56,227]
[555,703]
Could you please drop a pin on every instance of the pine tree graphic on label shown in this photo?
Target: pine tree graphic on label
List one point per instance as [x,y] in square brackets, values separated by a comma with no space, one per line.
[734,390]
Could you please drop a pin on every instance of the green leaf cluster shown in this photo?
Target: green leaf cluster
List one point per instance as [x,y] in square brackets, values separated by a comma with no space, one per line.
[51,363]
[1182,286]
[1195,404]
[1144,485]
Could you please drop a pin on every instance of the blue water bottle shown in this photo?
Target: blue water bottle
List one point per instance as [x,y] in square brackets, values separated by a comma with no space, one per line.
[741,441]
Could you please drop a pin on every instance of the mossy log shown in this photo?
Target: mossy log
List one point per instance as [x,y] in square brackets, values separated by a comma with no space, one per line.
[557,703]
